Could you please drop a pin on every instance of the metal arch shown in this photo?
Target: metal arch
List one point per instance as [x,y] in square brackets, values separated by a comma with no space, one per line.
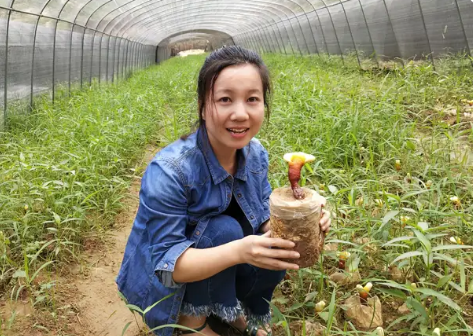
[279,17]
[217,28]
[141,6]
[134,9]
[280,20]
[208,22]
[335,32]
[287,18]
[93,41]
[82,47]
[300,27]
[5,86]
[248,40]
[277,41]
[54,51]
[153,4]
[464,33]
[287,32]
[322,30]
[310,26]
[266,43]
[74,23]
[369,32]
[426,34]
[80,9]
[70,44]
[251,42]
[268,26]
[85,28]
[101,41]
[201,32]
[320,22]
[392,27]
[315,42]
[92,59]
[351,33]
[146,20]
[57,19]
[33,54]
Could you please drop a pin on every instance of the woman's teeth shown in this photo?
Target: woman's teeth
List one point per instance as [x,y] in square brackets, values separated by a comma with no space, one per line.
[237,130]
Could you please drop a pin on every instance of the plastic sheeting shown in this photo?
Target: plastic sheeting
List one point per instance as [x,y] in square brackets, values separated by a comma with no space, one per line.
[52,45]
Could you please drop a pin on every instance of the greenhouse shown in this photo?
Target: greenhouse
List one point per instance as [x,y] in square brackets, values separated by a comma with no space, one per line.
[364,108]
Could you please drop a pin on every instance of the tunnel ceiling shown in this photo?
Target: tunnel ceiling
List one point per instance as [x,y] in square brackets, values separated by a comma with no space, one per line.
[152,21]
[200,34]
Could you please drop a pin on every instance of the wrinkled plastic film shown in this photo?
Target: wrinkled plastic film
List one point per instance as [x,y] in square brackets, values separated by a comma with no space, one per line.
[286,207]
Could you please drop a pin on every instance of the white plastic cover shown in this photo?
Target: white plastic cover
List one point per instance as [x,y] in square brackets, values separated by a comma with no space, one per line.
[47,42]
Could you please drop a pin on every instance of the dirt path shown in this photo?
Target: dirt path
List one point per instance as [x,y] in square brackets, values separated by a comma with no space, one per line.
[100,311]
[85,300]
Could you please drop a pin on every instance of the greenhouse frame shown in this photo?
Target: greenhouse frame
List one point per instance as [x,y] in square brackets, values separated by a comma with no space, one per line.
[51,43]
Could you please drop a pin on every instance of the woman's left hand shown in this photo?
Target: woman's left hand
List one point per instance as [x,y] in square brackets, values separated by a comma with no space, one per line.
[325,219]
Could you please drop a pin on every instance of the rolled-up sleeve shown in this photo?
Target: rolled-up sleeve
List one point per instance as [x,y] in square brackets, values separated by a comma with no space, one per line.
[163,207]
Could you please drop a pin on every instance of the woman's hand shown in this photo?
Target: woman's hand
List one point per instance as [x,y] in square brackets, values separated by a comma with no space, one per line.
[325,219]
[264,252]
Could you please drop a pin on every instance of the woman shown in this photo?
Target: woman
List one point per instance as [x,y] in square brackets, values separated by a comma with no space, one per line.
[201,233]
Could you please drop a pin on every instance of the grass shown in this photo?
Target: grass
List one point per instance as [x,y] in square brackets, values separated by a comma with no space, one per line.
[64,169]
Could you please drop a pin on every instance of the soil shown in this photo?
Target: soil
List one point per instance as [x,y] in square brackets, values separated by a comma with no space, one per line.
[85,296]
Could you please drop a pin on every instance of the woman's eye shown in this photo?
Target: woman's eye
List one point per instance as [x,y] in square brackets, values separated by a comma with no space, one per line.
[224,99]
[253,99]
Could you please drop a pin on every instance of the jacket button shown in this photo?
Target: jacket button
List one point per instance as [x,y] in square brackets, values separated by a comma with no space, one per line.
[165,265]
[239,195]
[197,233]
[252,217]
[229,195]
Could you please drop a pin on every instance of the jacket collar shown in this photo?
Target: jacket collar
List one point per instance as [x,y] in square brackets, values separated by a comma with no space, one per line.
[216,170]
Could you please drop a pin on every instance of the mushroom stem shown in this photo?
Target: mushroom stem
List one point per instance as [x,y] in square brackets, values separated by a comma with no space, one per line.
[294,175]
[296,162]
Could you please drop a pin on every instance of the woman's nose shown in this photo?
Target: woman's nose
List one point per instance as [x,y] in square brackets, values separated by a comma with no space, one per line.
[239,112]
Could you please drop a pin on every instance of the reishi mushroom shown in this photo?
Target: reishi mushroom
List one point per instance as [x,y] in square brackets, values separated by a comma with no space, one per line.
[342,258]
[364,291]
[296,162]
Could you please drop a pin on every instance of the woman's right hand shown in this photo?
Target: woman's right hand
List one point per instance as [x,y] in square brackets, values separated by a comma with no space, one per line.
[265,252]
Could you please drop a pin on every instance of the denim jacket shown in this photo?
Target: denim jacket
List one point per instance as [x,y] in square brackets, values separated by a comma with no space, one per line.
[182,188]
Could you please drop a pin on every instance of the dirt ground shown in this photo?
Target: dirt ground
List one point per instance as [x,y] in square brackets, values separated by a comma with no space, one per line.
[86,295]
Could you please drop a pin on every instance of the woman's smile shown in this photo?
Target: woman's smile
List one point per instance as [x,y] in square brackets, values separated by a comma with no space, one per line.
[239,132]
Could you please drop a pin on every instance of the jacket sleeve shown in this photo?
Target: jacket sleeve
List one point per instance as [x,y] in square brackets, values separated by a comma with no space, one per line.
[163,208]
[266,186]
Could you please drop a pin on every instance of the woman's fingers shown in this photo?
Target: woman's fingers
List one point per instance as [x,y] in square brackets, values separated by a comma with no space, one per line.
[325,221]
[325,228]
[275,264]
[279,253]
[277,242]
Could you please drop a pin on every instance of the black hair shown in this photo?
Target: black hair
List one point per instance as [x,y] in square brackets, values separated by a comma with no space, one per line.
[218,60]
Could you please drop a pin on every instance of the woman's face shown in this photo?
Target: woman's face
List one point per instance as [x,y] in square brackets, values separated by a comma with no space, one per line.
[236,114]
